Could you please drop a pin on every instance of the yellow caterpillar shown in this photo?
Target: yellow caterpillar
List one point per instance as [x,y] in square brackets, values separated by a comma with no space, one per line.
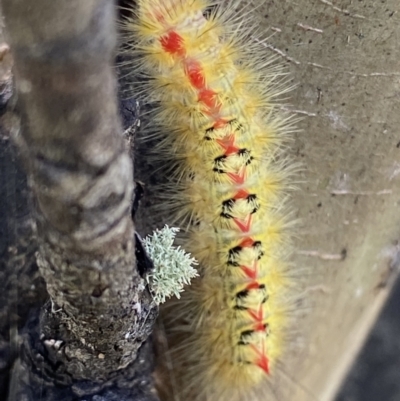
[215,105]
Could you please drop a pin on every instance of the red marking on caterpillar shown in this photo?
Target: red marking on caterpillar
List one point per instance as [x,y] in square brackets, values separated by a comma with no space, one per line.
[228,144]
[247,243]
[195,73]
[243,225]
[237,178]
[250,272]
[173,43]
[262,362]
[211,106]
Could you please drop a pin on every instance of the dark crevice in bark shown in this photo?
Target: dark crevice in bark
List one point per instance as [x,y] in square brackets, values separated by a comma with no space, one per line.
[21,285]
[45,378]
[86,343]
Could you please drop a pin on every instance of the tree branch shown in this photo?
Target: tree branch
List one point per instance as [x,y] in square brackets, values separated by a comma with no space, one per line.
[81,177]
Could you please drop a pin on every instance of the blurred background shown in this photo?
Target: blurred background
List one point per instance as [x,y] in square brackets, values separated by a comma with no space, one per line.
[375,374]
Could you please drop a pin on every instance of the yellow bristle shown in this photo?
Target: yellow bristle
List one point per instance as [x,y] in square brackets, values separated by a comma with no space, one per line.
[219,122]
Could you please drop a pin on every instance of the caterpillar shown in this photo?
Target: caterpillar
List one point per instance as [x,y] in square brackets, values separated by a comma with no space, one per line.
[215,92]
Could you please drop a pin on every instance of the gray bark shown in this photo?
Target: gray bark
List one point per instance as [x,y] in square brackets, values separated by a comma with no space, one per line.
[87,338]
[344,58]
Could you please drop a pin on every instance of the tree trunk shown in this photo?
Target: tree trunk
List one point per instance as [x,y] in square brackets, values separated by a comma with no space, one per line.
[343,56]
[87,339]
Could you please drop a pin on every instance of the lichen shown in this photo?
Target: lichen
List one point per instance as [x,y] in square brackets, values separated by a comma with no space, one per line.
[173,267]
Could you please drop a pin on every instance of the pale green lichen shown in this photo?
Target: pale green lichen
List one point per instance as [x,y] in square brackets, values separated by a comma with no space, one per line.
[173,267]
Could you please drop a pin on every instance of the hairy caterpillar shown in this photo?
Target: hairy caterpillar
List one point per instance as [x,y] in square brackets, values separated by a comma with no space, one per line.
[218,122]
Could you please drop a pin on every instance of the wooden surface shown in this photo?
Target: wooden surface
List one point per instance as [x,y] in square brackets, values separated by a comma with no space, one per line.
[344,57]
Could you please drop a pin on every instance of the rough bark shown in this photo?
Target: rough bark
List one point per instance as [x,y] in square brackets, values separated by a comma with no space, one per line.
[22,288]
[70,139]
[344,58]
